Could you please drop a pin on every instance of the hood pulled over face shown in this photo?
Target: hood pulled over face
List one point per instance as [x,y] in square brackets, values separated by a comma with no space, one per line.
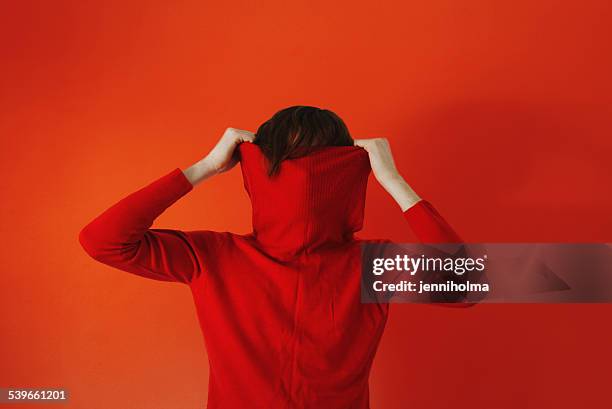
[315,201]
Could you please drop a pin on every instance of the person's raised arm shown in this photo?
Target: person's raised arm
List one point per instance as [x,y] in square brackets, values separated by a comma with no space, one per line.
[221,158]
[122,236]
[424,220]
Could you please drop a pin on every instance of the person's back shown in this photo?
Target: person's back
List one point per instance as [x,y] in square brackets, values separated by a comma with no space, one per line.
[279,308]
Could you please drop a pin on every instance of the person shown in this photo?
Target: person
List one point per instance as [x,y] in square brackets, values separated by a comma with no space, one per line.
[279,307]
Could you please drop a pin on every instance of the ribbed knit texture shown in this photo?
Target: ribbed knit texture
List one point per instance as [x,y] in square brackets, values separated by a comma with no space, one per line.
[280,307]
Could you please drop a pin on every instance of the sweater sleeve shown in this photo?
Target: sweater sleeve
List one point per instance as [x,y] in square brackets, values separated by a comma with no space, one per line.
[122,236]
[430,227]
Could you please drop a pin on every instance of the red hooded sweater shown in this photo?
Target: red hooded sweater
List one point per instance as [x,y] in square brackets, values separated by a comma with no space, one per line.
[280,307]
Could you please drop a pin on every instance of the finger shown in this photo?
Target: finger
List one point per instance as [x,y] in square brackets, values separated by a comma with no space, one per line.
[244,131]
[362,143]
[244,134]
[247,137]
[239,136]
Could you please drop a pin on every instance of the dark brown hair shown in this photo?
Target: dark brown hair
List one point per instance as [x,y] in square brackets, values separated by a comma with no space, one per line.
[298,130]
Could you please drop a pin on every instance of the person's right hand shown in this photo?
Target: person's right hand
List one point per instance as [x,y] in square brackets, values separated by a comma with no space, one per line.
[221,158]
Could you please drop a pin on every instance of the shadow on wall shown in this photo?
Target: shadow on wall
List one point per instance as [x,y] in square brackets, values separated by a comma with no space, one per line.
[486,157]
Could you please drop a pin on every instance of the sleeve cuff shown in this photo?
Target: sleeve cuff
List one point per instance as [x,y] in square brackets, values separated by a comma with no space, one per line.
[428,225]
[174,184]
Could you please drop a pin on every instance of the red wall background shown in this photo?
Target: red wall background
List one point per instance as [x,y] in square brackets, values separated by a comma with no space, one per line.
[498,112]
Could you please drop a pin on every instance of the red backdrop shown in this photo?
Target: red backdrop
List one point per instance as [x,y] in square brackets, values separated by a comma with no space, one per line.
[498,113]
